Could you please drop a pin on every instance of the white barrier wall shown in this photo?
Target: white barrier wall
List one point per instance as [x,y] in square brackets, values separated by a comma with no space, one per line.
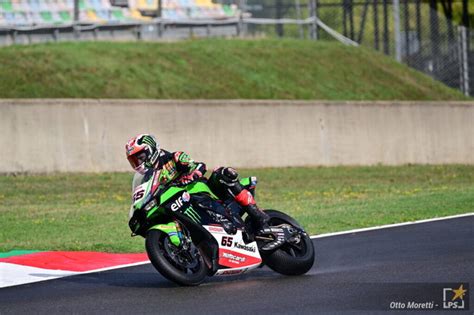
[89,135]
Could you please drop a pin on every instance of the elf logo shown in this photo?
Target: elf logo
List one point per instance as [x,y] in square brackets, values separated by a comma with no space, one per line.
[180,201]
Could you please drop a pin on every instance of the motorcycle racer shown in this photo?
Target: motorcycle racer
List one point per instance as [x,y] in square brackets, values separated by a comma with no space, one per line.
[194,227]
[144,154]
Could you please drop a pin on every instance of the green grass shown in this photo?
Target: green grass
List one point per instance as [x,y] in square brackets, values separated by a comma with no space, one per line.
[89,211]
[211,69]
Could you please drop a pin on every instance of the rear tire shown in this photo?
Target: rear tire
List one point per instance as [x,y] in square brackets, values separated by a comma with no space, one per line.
[184,268]
[289,259]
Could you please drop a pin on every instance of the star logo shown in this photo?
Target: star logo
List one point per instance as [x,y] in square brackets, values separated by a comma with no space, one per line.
[459,293]
[454,298]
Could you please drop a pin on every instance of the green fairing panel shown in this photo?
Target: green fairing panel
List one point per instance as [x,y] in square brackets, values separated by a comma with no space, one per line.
[152,211]
[193,188]
[200,187]
[170,192]
[170,228]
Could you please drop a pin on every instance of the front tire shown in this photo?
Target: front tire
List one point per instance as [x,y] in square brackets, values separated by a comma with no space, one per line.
[289,259]
[185,268]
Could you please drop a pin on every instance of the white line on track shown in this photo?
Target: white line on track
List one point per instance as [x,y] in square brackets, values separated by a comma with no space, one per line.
[117,267]
[380,227]
[13,274]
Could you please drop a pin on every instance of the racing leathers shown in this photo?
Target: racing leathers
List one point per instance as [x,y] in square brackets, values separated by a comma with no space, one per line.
[175,167]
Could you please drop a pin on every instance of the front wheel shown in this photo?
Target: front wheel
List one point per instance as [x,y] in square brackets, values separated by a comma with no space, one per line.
[184,266]
[292,258]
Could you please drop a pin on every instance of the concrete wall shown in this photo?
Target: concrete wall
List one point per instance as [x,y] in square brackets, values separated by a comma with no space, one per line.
[89,135]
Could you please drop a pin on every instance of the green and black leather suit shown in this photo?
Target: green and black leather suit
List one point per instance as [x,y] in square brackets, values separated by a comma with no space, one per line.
[175,166]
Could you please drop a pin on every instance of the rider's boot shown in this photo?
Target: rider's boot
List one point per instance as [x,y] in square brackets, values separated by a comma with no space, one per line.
[227,179]
[260,221]
[259,218]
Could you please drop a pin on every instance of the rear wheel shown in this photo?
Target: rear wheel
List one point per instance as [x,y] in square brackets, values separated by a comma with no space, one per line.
[295,257]
[183,265]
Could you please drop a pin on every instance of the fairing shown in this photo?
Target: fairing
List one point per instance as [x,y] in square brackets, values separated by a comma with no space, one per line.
[234,256]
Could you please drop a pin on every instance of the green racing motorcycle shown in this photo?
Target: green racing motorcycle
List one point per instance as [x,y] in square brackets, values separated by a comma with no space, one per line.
[187,236]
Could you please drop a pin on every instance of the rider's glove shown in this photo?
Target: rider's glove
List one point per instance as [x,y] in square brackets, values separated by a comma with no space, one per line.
[186,179]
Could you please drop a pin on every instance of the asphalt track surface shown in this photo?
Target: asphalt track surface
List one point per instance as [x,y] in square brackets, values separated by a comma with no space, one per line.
[356,273]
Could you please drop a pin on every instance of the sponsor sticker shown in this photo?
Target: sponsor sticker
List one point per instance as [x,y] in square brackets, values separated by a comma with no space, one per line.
[177,204]
[186,196]
[234,258]
[244,247]
[216,229]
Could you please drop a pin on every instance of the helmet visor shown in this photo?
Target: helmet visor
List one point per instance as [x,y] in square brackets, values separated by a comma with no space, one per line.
[137,159]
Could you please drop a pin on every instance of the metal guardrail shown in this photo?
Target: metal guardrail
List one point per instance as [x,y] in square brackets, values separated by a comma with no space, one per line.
[45,33]
[235,27]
